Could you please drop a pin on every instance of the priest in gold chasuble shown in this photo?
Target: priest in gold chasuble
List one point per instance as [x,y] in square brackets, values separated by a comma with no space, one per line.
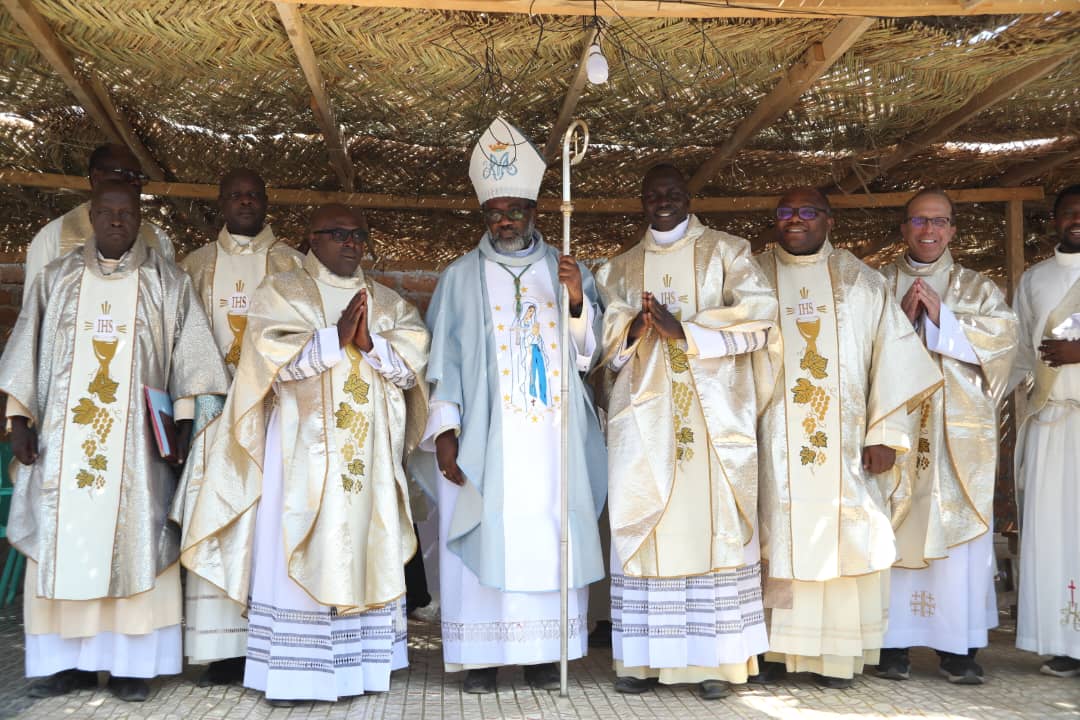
[853,370]
[226,273]
[303,505]
[92,491]
[691,352]
[942,586]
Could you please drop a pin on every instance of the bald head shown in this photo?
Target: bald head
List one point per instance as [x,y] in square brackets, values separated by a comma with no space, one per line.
[337,235]
[114,214]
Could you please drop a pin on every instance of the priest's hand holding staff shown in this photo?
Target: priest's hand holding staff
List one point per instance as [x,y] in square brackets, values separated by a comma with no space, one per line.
[570,275]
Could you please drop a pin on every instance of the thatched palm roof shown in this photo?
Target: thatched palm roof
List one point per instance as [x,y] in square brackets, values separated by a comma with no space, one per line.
[206,86]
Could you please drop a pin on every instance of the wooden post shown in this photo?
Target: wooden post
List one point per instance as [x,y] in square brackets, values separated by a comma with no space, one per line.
[1014,244]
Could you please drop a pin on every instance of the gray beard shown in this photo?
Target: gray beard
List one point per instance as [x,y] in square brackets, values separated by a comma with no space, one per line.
[517,243]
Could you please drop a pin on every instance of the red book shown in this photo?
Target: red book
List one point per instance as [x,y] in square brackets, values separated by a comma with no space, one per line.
[160,406]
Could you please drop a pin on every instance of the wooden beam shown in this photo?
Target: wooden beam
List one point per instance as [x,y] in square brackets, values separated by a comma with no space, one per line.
[813,63]
[553,146]
[596,206]
[1014,245]
[93,97]
[1001,89]
[45,41]
[1022,173]
[720,9]
[320,100]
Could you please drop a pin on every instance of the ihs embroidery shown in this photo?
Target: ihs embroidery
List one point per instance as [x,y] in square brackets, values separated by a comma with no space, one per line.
[351,419]
[237,304]
[97,421]
[805,391]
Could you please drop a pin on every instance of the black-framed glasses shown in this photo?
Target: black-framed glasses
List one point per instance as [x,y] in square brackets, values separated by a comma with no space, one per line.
[344,235]
[515,214]
[125,174]
[919,222]
[806,212]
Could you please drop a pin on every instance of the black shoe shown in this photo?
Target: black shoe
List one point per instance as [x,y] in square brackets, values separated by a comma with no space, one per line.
[223,672]
[600,637]
[833,683]
[769,672]
[480,682]
[633,685]
[1061,666]
[543,677]
[894,664]
[961,669]
[280,703]
[62,683]
[129,689]
[715,689]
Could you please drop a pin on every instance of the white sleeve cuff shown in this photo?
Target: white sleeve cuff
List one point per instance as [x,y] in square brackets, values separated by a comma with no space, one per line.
[949,339]
[184,409]
[583,338]
[442,416]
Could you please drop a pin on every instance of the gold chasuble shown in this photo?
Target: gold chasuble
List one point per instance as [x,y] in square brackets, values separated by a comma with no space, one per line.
[853,370]
[226,274]
[91,512]
[682,466]
[947,494]
[345,433]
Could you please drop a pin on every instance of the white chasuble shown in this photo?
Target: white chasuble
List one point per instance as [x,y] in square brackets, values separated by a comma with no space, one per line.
[235,278]
[525,319]
[812,396]
[689,515]
[95,432]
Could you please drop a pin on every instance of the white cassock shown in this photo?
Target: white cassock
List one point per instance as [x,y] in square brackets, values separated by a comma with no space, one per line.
[483,626]
[950,605]
[1048,476]
[297,648]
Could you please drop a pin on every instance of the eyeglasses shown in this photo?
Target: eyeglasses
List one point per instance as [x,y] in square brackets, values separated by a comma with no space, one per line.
[515,214]
[806,212]
[919,222]
[344,235]
[124,174]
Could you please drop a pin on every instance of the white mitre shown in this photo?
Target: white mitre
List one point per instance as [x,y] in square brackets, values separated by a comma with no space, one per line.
[505,164]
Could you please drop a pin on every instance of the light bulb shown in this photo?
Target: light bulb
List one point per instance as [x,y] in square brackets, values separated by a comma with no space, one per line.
[596,65]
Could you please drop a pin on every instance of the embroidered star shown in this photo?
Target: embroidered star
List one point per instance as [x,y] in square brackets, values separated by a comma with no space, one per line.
[524,289]
[498,308]
[555,373]
[500,327]
[554,346]
[506,372]
[551,305]
[502,348]
[552,323]
[506,398]
[535,419]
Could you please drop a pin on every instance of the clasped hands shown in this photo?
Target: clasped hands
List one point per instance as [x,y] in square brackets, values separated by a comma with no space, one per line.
[654,315]
[920,298]
[352,326]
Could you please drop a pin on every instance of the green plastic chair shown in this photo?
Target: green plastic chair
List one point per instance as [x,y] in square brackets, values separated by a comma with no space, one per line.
[15,562]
